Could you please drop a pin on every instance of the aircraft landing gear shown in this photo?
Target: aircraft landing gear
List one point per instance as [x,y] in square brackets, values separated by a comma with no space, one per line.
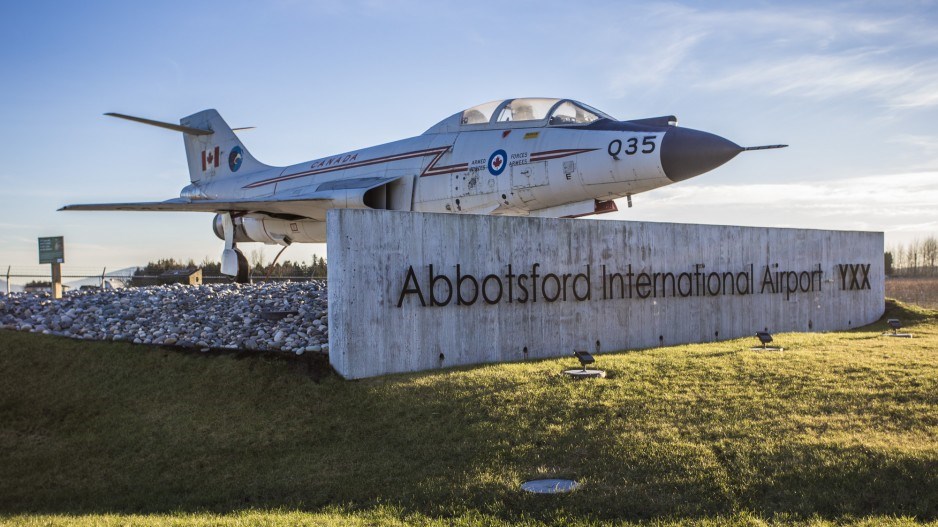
[233,262]
[244,272]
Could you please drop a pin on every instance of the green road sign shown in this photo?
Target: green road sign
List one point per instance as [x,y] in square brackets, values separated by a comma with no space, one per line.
[52,250]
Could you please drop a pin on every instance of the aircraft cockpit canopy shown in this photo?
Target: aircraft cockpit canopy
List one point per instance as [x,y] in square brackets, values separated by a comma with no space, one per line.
[532,111]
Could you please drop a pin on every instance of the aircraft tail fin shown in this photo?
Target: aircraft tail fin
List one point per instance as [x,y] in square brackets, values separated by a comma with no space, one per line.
[218,154]
[212,148]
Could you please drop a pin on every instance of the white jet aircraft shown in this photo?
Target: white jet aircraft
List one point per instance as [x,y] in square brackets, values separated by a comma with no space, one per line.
[532,156]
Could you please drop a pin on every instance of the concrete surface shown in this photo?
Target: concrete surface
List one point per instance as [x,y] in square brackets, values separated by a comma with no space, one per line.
[384,319]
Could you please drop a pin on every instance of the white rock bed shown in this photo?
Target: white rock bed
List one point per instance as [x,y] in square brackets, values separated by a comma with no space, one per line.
[215,316]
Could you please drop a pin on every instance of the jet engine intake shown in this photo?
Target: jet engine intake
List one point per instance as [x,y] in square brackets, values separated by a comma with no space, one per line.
[394,195]
[218,226]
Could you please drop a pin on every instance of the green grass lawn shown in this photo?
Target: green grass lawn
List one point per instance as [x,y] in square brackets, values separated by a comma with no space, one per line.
[840,428]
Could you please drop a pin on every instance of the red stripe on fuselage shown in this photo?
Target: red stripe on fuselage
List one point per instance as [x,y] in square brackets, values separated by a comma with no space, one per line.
[448,169]
[438,152]
[556,154]
[431,170]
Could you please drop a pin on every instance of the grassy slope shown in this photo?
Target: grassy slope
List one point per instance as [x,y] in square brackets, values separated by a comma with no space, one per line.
[840,426]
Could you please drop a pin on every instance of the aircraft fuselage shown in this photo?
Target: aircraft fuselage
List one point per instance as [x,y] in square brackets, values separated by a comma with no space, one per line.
[514,171]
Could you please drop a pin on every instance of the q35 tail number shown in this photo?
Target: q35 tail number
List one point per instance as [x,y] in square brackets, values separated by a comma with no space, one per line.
[633,145]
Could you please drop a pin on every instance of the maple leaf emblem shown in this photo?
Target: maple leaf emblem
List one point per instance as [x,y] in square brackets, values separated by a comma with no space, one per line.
[497,162]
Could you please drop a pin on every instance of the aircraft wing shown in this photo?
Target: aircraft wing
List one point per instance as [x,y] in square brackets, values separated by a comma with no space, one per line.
[310,207]
[328,195]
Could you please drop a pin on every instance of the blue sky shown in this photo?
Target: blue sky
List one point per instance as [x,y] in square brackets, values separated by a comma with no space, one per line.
[852,87]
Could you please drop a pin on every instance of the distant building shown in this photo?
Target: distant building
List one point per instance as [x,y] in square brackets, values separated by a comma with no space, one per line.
[39,288]
[182,276]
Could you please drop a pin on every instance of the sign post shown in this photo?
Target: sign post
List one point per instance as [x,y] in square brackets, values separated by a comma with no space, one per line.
[52,251]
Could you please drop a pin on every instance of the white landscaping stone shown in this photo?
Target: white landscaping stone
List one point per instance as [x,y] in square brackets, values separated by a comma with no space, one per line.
[211,316]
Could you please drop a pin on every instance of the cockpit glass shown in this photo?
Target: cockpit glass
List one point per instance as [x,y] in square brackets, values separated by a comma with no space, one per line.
[571,113]
[557,112]
[480,114]
[526,110]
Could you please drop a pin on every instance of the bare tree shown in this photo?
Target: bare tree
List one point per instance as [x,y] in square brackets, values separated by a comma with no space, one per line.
[912,255]
[257,259]
[916,258]
[929,254]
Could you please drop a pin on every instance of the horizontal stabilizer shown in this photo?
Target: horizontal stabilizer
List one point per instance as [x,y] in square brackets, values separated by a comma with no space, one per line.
[161,124]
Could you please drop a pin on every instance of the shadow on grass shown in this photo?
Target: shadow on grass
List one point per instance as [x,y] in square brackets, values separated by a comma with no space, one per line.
[108,428]
[907,313]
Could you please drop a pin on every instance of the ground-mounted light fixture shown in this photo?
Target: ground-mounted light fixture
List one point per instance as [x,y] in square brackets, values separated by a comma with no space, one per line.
[585,358]
[895,324]
[765,338]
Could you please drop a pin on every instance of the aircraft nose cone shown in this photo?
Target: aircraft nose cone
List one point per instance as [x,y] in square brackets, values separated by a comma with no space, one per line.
[686,153]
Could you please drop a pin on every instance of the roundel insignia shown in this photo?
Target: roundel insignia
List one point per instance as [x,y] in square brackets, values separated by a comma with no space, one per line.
[497,162]
[234,159]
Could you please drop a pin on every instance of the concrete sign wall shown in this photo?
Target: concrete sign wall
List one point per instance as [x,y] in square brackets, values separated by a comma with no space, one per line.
[411,291]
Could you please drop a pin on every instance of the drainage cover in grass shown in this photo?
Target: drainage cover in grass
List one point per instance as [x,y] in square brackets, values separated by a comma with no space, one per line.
[585,374]
[549,486]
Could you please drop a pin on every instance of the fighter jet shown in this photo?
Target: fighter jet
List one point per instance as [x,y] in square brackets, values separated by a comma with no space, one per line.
[530,156]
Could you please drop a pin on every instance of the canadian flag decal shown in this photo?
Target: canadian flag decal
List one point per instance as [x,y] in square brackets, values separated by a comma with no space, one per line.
[209,159]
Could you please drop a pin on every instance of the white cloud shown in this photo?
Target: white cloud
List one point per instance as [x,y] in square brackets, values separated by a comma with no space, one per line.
[818,53]
[652,64]
[922,95]
[928,143]
[864,73]
[901,205]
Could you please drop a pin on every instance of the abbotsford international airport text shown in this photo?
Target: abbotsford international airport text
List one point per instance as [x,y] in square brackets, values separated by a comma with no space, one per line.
[432,288]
